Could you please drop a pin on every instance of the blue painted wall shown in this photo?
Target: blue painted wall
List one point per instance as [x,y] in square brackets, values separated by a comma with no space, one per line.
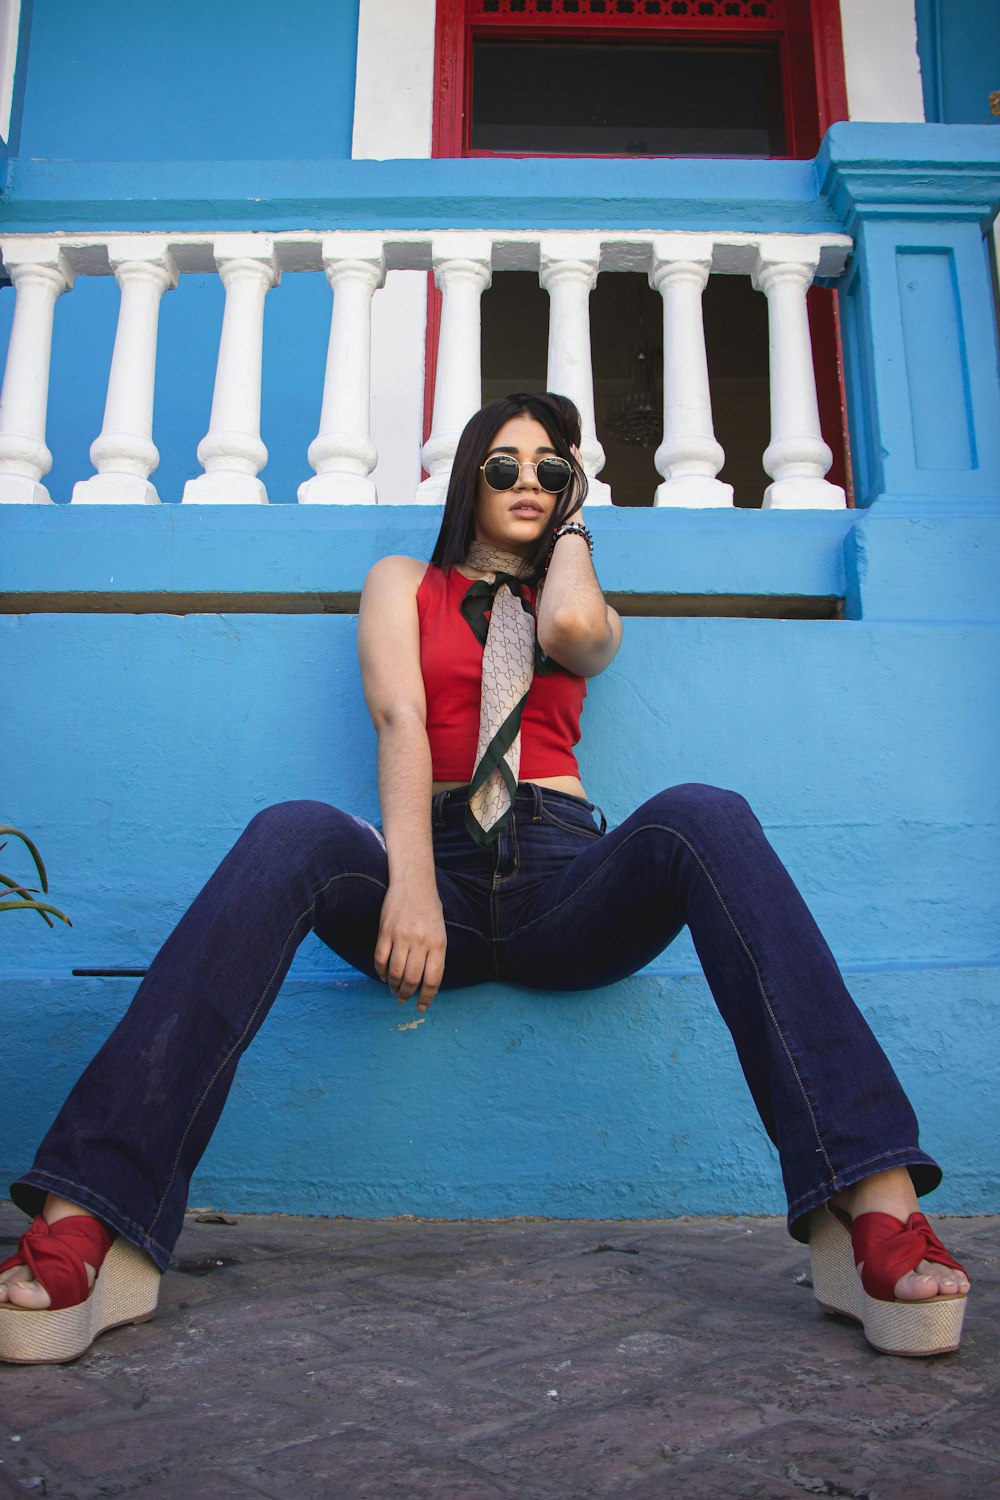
[137,747]
[189,81]
[959,44]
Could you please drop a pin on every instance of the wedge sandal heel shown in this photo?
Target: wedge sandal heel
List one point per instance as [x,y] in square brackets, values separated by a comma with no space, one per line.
[918,1329]
[126,1291]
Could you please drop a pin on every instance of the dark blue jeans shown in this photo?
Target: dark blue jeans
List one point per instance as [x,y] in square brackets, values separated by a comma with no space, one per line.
[557,904]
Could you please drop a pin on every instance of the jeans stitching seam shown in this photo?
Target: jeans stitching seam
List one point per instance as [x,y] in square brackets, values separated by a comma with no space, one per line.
[499,880]
[346,875]
[796,1205]
[463,927]
[100,1198]
[551,822]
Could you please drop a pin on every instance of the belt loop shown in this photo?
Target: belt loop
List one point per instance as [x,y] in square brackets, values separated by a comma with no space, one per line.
[437,809]
[604,822]
[536,802]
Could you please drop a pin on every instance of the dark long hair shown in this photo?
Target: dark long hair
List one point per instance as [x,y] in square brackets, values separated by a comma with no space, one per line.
[561,421]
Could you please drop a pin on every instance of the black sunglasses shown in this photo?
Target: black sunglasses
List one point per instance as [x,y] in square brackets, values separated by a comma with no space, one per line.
[502,471]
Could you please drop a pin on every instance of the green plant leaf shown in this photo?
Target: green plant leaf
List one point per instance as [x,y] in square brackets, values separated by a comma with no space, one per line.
[16,833]
[42,908]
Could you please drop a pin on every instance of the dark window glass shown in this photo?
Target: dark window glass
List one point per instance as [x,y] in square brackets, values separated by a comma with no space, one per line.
[652,99]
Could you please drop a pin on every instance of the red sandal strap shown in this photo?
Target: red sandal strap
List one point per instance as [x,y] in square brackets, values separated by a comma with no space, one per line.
[889,1249]
[56,1254]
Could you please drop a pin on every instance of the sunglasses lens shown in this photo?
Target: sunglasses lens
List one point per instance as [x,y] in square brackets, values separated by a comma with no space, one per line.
[500,472]
[553,474]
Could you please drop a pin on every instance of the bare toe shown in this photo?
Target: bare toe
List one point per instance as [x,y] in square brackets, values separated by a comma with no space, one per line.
[951,1283]
[19,1289]
[931,1280]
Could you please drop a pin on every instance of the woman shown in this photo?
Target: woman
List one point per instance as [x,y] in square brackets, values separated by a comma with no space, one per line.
[489,865]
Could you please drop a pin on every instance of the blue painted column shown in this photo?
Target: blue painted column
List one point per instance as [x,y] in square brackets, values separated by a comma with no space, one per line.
[920,344]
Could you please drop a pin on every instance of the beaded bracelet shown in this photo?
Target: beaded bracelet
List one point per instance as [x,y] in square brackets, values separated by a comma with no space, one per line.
[572,528]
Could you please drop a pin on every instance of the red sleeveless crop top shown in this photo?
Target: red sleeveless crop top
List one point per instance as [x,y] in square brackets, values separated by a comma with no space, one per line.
[451,661]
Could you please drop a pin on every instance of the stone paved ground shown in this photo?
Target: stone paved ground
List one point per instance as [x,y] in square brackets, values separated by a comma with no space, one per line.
[524,1360]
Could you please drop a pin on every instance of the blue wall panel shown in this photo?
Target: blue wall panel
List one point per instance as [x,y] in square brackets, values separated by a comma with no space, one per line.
[959,43]
[190,81]
[936,360]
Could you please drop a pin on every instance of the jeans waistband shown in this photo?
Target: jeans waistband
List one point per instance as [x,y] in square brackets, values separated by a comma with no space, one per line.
[529,798]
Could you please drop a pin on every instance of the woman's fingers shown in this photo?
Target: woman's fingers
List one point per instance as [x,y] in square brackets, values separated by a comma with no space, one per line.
[405,973]
[433,975]
[411,967]
[409,953]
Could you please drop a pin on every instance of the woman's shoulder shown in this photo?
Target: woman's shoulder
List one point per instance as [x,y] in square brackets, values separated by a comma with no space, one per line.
[395,572]
[398,566]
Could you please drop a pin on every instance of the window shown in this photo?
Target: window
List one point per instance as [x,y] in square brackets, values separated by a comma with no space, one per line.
[571,98]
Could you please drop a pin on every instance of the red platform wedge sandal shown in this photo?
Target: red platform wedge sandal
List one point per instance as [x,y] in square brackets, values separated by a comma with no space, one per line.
[886,1250]
[57,1255]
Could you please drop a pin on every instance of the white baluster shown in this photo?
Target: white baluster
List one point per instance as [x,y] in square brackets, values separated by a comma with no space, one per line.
[689,458]
[40,274]
[124,453]
[231,452]
[797,458]
[463,267]
[568,271]
[343,453]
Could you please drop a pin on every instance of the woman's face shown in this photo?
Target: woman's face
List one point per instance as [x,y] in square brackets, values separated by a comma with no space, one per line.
[515,519]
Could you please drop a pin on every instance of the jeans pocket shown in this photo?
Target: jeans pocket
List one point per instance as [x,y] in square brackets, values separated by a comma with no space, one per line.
[572,820]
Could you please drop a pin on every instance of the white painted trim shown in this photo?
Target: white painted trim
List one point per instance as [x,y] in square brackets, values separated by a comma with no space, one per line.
[10,26]
[300,250]
[394,90]
[393,117]
[399,325]
[880,60]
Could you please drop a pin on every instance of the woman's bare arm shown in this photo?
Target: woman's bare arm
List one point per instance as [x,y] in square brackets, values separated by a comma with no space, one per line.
[410,951]
[575,626]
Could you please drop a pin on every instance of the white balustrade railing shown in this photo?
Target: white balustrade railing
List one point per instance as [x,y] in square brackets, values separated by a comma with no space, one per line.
[781,267]
[231,452]
[462,271]
[343,453]
[568,272]
[796,458]
[689,457]
[124,453]
[40,273]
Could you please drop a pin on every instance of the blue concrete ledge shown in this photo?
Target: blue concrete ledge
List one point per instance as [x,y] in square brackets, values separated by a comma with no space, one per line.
[462,193]
[940,172]
[175,548]
[626,1102]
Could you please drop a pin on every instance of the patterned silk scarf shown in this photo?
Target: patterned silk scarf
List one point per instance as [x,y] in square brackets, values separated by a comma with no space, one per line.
[508,641]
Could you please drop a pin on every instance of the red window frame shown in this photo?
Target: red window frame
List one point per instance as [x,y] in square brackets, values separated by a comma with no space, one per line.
[807,33]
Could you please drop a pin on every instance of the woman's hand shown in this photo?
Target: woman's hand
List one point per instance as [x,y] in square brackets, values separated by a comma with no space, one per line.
[409,954]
